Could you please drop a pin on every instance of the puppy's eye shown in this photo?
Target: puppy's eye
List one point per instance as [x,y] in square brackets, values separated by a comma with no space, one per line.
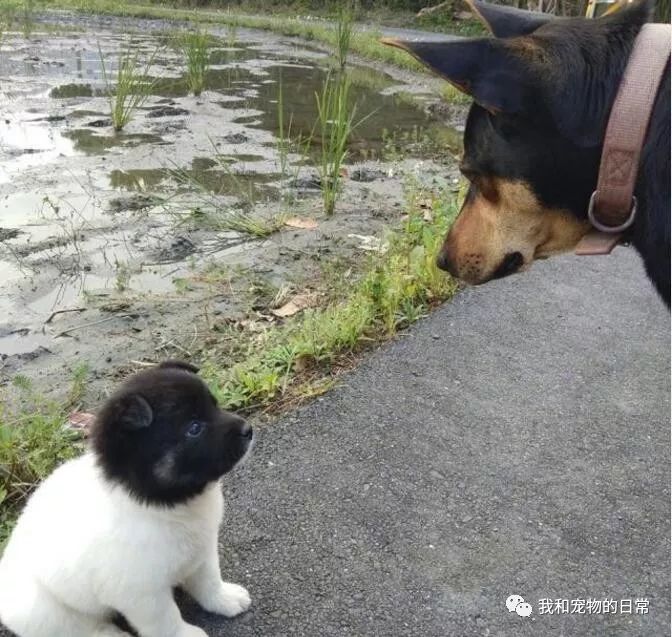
[195,429]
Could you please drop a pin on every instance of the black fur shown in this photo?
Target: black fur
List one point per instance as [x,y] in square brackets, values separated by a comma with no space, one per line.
[142,439]
[542,103]
[507,22]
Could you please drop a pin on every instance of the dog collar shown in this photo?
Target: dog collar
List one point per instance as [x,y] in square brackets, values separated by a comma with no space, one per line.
[613,206]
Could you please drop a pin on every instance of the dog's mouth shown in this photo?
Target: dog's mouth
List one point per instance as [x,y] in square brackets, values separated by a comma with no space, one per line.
[511,263]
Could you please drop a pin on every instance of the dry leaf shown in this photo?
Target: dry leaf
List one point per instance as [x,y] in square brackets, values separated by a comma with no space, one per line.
[80,420]
[301,222]
[297,303]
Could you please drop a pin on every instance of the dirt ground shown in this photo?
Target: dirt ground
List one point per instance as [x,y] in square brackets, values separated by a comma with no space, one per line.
[116,248]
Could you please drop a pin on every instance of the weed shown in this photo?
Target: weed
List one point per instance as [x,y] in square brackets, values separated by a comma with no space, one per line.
[194,46]
[210,209]
[28,18]
[284,147]
[452,95]
[231,35]
[33,442]
[344,25]
[122,277]
[132,88]
[365,43]
[335,123]
[284,135]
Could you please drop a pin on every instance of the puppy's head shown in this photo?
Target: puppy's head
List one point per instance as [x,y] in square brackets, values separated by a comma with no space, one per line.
[542,92]
[163,437]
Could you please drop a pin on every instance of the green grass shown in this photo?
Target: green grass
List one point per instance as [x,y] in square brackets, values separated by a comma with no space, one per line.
[450,94]
[33,442]
[231,35]
[344,25]
[334,125]
[194,46]
[132,87]
[363,43]
[286,144]
[397,287]
[205,208]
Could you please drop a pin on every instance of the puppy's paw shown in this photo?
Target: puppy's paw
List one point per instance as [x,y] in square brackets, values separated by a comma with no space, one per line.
[230,600]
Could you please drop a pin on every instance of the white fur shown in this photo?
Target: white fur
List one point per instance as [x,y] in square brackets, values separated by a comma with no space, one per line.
[83,548]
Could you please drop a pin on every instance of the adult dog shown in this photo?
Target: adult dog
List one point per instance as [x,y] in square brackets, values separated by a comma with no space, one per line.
[543,90]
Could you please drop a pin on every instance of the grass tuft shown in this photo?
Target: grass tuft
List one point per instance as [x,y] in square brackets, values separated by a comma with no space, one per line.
[335,123]
[454,96]
[33,442]
[208,209]
[345,20]
[194,46]
[132,88]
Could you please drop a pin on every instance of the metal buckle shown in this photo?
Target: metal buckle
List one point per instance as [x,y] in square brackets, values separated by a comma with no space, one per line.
[610,229]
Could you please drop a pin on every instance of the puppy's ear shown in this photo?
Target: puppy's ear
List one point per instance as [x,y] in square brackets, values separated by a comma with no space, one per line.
[133,412]
[507,22]
[487,69]
[175,364]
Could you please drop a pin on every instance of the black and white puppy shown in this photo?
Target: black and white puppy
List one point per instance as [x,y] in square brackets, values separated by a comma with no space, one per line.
[116,529]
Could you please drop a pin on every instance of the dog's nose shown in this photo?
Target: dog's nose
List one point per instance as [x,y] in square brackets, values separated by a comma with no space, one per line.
[443,262]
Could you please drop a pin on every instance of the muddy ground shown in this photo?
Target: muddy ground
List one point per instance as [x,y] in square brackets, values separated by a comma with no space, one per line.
[116,249]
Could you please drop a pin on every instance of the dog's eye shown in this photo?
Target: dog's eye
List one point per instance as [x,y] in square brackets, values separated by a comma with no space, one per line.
[195,429]
[469,174]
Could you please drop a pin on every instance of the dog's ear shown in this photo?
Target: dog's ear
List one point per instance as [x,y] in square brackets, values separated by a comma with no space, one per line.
[585,83]
[133,412]
[175,364]
[489,70]
[507,22]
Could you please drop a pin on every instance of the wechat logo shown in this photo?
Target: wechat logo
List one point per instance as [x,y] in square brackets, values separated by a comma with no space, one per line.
[519,605]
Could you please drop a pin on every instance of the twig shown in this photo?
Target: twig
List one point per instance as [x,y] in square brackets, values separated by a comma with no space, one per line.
[57,312]
[165,344]
[142,363]
[91,324]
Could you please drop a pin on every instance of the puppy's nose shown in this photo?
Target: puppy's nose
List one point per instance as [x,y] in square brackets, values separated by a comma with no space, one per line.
[246,431]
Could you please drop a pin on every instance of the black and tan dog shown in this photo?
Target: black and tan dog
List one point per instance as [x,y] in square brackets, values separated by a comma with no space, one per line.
[543,89]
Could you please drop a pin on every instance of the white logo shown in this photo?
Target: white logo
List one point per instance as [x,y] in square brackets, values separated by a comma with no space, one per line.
[518,604]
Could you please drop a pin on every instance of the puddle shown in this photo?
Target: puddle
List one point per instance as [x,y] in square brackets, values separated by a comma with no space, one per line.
[83,210]
[91,143]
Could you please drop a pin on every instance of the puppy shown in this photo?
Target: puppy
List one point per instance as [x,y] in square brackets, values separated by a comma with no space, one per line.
[116,529]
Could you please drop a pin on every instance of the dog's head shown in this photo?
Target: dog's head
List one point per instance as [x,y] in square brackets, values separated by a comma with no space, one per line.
[163,437]
[542,91]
